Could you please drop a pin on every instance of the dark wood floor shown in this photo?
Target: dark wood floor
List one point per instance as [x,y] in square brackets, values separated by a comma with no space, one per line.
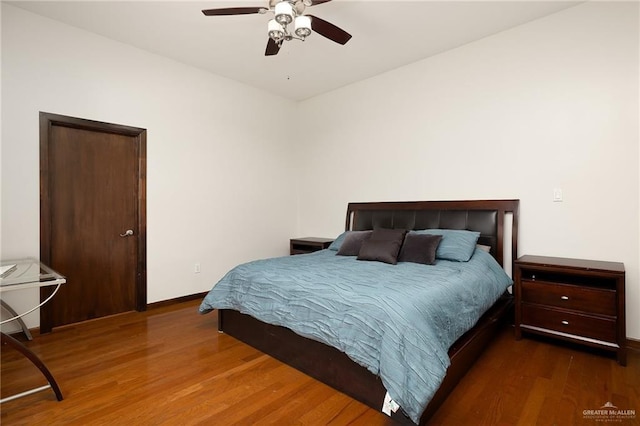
[170,366]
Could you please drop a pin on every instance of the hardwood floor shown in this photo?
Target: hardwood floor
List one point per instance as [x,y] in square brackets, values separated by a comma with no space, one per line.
[170,366]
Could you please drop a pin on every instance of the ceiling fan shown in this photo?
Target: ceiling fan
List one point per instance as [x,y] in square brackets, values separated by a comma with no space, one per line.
[288,12]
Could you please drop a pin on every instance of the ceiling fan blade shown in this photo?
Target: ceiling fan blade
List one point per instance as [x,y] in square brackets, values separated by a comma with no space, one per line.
[234,11]
[329,30]
[273,48]
[316,2]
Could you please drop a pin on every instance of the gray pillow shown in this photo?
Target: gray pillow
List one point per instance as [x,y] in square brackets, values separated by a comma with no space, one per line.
[352,242]
[419,248]
[483,247]
[383,246]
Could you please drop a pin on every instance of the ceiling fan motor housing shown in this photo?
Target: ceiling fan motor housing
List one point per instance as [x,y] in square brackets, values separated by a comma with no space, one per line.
[298,5]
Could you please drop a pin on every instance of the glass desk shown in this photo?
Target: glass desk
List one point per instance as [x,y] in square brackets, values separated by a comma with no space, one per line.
[19,275]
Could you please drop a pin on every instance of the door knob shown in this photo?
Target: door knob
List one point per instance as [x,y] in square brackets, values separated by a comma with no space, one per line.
[127,233]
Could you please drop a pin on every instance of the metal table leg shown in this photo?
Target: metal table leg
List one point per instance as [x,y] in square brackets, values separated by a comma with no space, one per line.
[9,309]
[8,340]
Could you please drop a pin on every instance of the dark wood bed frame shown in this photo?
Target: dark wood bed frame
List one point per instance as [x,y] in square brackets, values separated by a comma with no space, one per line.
[336,369]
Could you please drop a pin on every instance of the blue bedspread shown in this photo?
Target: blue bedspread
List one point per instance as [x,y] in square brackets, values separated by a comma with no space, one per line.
[398,321]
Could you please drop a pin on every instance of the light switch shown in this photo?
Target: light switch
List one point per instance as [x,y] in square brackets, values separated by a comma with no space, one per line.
[557,195]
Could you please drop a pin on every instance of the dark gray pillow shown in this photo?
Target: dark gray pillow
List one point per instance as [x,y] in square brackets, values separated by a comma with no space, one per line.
[383,246]
[419,248]
[352,242]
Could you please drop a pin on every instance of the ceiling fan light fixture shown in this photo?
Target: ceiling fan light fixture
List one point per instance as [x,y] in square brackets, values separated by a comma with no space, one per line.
[303,26]
[276,31]
[289,22]
[284,13]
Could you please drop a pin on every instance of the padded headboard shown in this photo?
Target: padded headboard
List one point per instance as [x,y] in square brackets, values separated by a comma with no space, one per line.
[484,216]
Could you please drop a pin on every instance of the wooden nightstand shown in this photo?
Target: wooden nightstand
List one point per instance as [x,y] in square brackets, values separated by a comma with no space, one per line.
[308,244]
[577,300]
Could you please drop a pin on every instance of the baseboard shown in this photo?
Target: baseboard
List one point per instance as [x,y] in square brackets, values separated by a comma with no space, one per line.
[181,299]
[633,344]
[19,334]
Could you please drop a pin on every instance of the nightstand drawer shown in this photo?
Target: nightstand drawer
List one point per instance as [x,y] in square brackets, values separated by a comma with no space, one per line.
[569,322]
[590,300]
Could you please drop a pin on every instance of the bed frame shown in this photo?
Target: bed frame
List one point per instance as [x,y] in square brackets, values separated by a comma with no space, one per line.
[331,366]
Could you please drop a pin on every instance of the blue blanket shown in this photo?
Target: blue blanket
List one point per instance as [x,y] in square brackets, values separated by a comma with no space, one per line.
[398,321]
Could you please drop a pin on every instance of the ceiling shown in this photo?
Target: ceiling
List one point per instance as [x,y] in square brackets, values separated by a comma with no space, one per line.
[386,35]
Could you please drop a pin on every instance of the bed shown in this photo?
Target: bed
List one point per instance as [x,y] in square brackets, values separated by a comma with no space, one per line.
[371,371]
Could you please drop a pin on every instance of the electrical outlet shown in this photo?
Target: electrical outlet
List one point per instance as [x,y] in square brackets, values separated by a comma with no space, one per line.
[196,268]
[557,195]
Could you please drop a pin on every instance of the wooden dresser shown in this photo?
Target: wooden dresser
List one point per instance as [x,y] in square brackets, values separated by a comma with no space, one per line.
[577,300]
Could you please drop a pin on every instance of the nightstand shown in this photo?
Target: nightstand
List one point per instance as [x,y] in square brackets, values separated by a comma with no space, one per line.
[580,301]
[308,244]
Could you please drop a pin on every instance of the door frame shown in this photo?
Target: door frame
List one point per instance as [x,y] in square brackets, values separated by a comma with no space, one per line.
[47,120]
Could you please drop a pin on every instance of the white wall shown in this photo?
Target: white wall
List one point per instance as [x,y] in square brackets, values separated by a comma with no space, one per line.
[214,154]
[553,103]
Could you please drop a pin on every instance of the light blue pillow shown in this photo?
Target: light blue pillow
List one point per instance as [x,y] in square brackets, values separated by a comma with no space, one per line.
[337,243]
[456,244]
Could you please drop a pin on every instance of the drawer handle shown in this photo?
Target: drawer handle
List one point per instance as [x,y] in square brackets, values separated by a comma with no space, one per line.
[565,322]
[564,297]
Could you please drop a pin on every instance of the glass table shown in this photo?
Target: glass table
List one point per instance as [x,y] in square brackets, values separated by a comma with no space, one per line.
[21,274]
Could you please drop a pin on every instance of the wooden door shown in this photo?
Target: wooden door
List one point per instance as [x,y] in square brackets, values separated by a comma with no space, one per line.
[92,191]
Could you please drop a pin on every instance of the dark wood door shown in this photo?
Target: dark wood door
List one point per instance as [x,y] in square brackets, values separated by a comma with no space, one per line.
[92,218]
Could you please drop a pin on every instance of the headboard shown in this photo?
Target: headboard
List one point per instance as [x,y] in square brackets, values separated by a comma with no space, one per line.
[484,216]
